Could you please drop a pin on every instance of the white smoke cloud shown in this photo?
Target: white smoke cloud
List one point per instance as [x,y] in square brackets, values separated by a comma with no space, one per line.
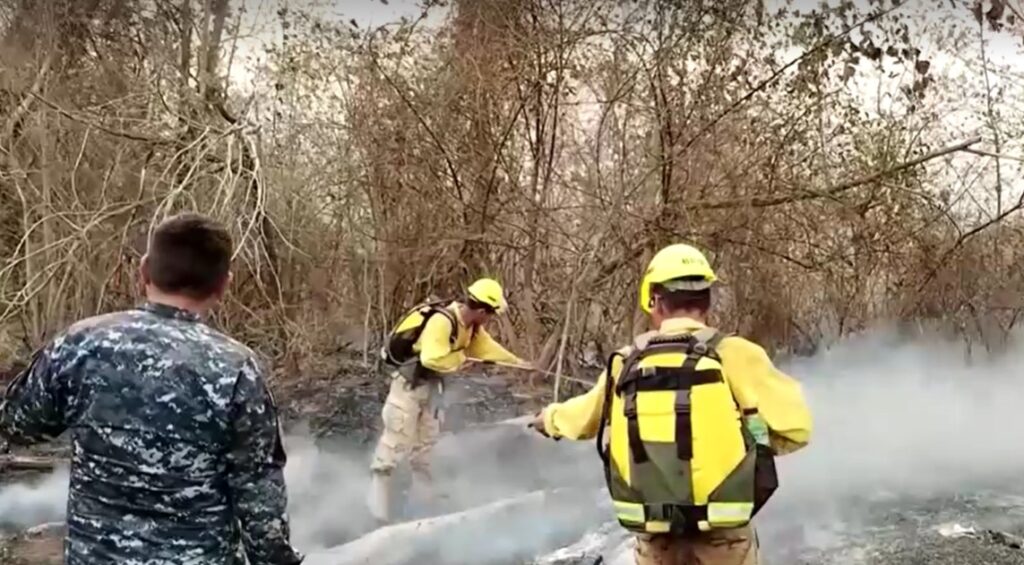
[906,417]
[326,492]
[28,504]
[893,418]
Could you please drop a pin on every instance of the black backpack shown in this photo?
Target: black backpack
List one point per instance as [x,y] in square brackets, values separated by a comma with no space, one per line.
[398,350]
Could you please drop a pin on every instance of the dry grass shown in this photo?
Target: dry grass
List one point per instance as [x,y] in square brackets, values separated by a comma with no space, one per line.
[537,141]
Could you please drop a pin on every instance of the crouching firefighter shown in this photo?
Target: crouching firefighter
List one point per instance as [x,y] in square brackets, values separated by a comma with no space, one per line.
[433,340]
[688,422]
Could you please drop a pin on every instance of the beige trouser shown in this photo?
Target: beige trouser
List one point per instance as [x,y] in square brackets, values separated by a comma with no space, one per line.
[737,546]
[412,423]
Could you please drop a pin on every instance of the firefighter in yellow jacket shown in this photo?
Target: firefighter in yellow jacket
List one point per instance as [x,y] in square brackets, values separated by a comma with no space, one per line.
[688,422]
[439,339]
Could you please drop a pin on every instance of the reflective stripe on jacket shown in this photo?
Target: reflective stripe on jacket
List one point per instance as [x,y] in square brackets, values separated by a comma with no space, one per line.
[755,383]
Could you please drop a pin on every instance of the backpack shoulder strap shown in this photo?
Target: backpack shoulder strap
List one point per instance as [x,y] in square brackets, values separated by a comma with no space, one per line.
[637,349]
[654,342]
[410,335]
[438,308]
[609,389]
[710,338]
[602,422]
[628,355]
[708,335]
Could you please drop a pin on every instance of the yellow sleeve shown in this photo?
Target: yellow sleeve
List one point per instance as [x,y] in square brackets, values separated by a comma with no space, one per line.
[435,346]
[579,417]
[483,347]
[778,397]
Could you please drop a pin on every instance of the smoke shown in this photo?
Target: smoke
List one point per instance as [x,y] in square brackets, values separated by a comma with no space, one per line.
[23,505]
[904,431]
[511,530]
[895,416]
[893,419]
[328,485]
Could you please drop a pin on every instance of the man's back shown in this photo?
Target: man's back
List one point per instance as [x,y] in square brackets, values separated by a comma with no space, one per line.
[174,437]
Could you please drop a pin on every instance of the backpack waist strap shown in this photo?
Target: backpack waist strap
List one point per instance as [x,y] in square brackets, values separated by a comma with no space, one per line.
[417,375]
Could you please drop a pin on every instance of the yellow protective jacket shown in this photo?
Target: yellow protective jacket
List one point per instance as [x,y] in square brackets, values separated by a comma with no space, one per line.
[755,383]
[437,352]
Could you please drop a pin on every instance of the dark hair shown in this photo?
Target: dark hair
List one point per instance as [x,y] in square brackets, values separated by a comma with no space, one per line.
[190,255]
[676,300]
[475,304]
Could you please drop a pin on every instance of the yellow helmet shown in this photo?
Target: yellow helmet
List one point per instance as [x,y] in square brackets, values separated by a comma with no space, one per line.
[489,292]
[682,265]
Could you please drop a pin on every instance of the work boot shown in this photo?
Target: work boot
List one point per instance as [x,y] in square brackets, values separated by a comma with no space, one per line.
[421,494]
[379,497]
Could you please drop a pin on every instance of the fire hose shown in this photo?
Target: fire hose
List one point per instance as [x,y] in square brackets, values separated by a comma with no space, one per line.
[535,370]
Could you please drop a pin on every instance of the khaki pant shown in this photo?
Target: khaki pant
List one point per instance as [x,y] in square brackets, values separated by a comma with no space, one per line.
[412,424]
[737,546]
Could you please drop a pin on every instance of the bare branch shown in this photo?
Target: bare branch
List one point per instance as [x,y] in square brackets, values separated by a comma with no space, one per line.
[984,153]
[125,134]
[769,201]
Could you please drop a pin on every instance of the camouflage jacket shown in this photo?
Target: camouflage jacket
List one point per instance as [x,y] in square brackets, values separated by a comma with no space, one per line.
[176,451]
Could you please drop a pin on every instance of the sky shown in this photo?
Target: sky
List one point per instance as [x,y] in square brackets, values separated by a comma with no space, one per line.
[262,28]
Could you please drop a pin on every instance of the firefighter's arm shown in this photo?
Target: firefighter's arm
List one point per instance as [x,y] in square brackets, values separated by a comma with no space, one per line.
[579,417]
[435,346]
[779,398]
[32,409]
[485,348]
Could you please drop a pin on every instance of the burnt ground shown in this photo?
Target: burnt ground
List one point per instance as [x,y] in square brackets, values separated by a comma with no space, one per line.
[35,547]
[906,532]
[346,404]
[343,405]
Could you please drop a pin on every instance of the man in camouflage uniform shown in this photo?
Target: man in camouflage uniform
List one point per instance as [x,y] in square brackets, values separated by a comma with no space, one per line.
[176,452]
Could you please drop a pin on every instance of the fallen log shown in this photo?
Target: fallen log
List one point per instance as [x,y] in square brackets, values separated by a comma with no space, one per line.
[509,530]
[602,546]
[27,463]
[1003,538]
[46,529]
